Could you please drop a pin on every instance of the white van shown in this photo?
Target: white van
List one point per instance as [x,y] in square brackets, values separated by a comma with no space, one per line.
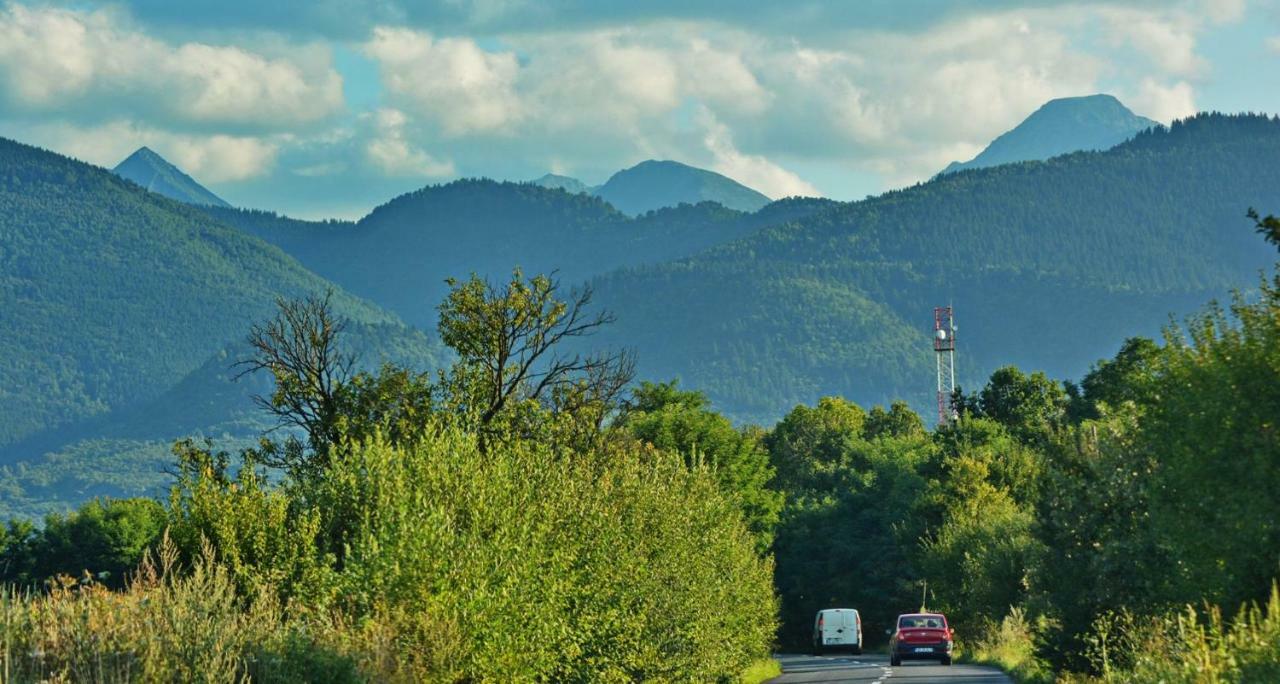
[837,628]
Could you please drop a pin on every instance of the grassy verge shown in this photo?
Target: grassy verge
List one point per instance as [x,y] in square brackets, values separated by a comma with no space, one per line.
[761,671]
[1010,646]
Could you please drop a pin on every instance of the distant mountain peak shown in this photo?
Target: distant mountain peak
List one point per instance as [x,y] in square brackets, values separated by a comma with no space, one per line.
[566,183]
[155,173]
[1061,126]
[653,184]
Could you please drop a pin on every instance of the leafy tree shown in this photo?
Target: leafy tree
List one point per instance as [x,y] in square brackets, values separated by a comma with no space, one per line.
[1126,378]
[810,446]
[979,547]
[1028,405]
[898,421]
[105,539]
[1268,227]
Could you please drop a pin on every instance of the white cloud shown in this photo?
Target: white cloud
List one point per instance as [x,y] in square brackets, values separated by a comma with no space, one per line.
[209,158]
[1224,11]
[1273,44]
[898,104]
[390,150]
[450,80]
[752,170]
[904,105]
[64,62]
[1166,39]
[1164,103]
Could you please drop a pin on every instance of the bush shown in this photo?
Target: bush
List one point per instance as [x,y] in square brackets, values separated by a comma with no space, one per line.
[447,563]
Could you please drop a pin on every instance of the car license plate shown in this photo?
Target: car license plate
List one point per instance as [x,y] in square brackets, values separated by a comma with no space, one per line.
[924,650]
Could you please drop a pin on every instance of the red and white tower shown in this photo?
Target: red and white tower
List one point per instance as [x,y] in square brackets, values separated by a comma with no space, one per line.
[944,347]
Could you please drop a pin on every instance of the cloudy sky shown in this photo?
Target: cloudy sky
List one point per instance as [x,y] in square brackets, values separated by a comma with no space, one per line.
[329,107]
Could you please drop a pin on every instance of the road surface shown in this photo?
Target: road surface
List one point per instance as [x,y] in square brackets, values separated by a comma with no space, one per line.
[874,669]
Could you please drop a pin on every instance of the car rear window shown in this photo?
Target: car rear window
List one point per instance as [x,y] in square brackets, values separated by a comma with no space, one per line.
[920,622]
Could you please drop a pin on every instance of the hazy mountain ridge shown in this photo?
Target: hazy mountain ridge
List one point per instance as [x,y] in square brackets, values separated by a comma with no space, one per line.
[570,185]
[655,184]
[400,254]
[1071,124]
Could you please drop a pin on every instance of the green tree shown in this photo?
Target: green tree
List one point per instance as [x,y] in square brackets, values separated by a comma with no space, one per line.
[1129,377]
[1268,227]
[104,538]
[898,421]
[1028,405]
[809,446]
[979,549]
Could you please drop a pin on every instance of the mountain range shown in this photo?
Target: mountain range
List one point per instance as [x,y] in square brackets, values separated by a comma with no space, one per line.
[113,297]
[121,310]
[653,184]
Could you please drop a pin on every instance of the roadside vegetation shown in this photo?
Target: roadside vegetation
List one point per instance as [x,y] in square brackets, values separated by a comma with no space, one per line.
[532,513]
[481,524]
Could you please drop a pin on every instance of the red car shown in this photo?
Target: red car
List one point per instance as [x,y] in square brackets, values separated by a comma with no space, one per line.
[921,636]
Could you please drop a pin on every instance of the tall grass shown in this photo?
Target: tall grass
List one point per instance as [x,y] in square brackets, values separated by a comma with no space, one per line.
[1010,645]
[165,625]
[1199,647]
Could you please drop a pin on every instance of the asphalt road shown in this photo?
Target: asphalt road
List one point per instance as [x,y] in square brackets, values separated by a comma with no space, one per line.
[874,669]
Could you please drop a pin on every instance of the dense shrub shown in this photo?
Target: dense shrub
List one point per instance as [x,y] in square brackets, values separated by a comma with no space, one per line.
[517,563]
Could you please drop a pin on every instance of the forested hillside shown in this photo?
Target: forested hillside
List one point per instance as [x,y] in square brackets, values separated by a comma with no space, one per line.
[1049,264]
[400,254]
[111,295]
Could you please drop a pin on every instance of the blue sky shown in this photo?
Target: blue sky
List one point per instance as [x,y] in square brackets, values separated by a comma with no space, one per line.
[327,108]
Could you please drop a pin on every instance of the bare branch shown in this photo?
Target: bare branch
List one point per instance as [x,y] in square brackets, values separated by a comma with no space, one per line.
[299,347]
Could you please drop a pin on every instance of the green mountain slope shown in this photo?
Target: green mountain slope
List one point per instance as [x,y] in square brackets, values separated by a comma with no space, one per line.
[127,452]
[155,173]
[655,184]
[400,254]
[1069,124]
[1049,265]
[110,295]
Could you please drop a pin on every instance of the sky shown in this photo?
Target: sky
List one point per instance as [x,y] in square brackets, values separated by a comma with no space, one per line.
[328,108]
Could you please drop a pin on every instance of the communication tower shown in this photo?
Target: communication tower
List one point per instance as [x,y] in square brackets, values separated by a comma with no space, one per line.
[944,347]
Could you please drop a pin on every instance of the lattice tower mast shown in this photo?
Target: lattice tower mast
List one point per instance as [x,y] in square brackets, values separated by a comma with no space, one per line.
[944,347]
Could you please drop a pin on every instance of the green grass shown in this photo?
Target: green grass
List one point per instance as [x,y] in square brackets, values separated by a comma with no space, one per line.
[761,671]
